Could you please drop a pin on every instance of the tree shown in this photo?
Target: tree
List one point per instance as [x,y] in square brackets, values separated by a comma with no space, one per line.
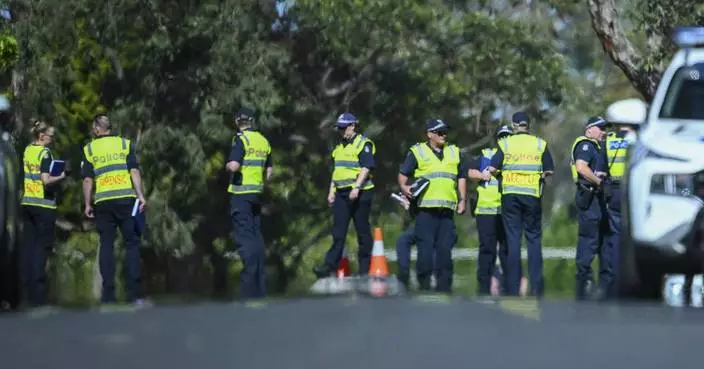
[655,20]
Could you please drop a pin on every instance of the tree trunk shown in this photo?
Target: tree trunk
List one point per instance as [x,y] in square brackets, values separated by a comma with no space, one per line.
[607,26]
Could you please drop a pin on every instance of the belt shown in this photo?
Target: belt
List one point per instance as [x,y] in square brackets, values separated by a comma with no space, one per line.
[586,187]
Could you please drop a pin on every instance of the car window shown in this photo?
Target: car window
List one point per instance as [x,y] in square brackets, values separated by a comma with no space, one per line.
[685,94]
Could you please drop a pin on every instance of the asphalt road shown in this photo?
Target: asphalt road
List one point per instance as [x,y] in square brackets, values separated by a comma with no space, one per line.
[346,332]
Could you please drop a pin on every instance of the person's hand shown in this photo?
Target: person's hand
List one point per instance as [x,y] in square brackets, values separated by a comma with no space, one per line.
[142,203]
[461,207]
[486,175]
[354,194]
[331,198]
[88,211]
[406,190]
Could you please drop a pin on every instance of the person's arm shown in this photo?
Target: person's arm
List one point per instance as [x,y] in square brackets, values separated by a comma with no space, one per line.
[135,173]
[473,172]
[46,178]
[497,161]
[269,167]
[88,174]
[462,171]
[234,161]
[366,161]
[548,163]
[583,155]
[408,168]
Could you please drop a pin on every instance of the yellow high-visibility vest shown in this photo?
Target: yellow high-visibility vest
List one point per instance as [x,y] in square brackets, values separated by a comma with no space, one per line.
[34,192]
[573,167]
[522,165]
[347,166]
[488,195]
[616,151]
[108,155]
[442,174]
[256,150]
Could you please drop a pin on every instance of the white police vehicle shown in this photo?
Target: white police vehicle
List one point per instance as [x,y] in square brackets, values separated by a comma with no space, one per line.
[663,187]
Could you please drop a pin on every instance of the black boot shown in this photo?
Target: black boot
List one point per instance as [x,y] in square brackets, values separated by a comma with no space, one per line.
[322,270]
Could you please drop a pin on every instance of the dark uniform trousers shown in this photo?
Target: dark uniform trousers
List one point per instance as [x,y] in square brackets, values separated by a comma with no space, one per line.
[403,253]
[592,221]
[109,216]
[613,237]
[245,213]
[435,237]
[519,213]
[345,210]
[491,232]
[38,234]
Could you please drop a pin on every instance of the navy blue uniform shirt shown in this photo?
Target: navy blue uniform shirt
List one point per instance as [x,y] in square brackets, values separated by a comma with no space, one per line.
[49,191]
[497,161]
[589,152]
[237,154]
[410,164]
[46,162]
[87,167]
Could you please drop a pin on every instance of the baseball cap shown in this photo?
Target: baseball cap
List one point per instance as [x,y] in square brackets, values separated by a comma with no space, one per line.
[345,119]
[436,125]
[520,118]
[596,121]
[244,114]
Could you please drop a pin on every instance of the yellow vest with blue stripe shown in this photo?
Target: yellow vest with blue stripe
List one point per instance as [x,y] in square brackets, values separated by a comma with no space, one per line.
[347,168]
[522,167]
[488,195]
[34,192]
[442,174]
[573,167]
[108,155]
[256,150]
[616,151]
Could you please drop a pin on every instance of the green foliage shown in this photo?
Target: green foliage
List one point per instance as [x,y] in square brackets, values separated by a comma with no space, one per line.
[9,51]
[171,74]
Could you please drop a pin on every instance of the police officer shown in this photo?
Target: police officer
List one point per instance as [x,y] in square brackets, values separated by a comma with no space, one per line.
[487,213]
[250,166]
[441,164]
[350,194]
[110,161]
[524,161]
[626,116]
[38,211]
[588,172]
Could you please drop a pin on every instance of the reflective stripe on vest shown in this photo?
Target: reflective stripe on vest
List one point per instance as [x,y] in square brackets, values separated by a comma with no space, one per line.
[442,191]
[256,151]
[616,151]
[347,167]
[108,155]
[522,166]
[488,195]
[34,192]
[573,167]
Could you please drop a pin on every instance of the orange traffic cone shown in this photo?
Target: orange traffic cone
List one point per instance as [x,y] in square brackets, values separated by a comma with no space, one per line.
[343,270]
[378,266]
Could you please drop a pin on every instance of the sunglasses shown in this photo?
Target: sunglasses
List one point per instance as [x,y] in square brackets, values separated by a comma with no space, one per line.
[440,133]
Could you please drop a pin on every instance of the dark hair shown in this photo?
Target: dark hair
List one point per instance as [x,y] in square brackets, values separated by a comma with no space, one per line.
[38,127]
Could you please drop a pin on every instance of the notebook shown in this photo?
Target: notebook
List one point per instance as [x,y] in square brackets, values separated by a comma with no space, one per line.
[57,167]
